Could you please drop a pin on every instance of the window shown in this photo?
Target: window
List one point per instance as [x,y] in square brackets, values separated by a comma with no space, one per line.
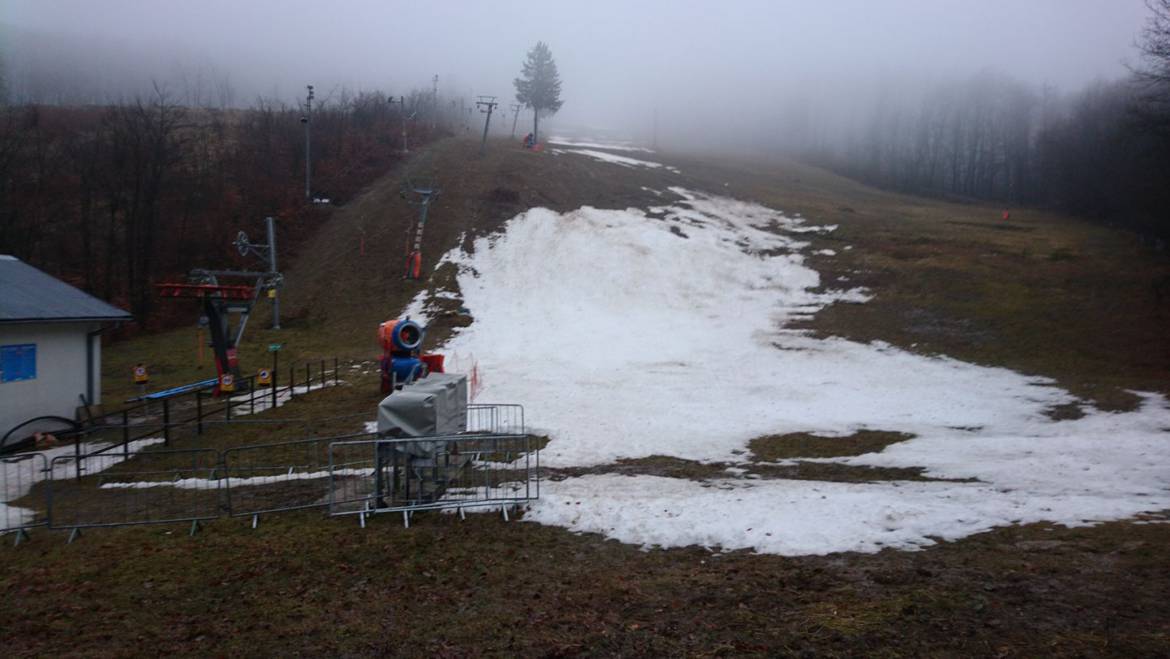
[18,362]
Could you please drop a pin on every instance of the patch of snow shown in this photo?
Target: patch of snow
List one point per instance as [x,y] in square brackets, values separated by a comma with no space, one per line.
[825,252]
[248,481]
[793,517]
[639,343]
[625,161]
[262,399]
[612,146]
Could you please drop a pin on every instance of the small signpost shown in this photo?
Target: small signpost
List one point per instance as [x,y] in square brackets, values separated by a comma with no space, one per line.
[141,378]
[227,383]
[274,348]
[264,377]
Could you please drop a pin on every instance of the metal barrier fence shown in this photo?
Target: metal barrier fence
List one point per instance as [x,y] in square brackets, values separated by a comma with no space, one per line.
[493,464]
[496,418]
[18,475]
[431,473]
[269,478]
[152,487]
[161,417]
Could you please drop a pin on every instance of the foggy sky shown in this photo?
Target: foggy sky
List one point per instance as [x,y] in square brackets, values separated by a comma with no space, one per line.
[620,61]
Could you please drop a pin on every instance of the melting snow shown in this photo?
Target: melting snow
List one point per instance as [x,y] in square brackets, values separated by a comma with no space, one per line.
[612,146]
[625,161]
[630,333]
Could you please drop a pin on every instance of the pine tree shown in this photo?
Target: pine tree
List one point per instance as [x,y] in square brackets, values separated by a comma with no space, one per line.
[539,85]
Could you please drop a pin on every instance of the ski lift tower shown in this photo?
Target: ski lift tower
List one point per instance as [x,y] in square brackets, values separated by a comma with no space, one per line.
[219,301]
[423,196]
[271,280]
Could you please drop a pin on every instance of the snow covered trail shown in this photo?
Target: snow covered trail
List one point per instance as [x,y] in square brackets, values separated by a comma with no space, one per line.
[663,331]
[615,159]
[558,140]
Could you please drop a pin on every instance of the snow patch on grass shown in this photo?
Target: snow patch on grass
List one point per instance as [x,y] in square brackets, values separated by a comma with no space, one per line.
[625,161]
[629,333]
[612,146]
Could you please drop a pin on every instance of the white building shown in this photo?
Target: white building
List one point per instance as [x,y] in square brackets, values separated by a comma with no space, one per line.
[50,348]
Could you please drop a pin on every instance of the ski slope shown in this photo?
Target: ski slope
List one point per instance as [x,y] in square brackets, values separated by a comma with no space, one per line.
[664,331]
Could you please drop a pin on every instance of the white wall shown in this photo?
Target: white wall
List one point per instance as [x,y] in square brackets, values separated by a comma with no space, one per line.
[61,372]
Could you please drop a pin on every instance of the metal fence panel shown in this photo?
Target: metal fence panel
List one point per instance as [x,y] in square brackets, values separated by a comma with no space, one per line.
[18,475]
[496,418]
[267,478]
[427,473]
[152,487]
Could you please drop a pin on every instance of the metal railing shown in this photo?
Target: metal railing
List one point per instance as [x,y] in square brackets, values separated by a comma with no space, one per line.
[153,487]
[18,475]
[432,473]
[278,477]
[352,473]
[496,418]
[162,418]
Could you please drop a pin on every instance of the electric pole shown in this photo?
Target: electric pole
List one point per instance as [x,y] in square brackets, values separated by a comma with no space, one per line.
[434,99]
[402,114]
[306,119]
[515,115]
[654,141]
[486,104]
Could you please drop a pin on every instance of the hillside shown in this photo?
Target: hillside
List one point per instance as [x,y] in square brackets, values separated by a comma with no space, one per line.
[814,416]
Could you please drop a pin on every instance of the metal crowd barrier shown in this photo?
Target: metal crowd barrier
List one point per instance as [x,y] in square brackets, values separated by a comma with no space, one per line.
[497,418]
[495,463]
[277,477]
[432,473]
[18,475]
[153,487]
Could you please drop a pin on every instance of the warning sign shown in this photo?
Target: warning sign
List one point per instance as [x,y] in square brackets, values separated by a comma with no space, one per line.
[140,375]
[263,377]
[227,382]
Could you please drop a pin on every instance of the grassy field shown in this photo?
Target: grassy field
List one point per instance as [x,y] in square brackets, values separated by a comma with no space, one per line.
[1042,294]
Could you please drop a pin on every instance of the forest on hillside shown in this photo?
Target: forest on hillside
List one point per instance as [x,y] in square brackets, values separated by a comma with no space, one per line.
[116,197]
[1102,152]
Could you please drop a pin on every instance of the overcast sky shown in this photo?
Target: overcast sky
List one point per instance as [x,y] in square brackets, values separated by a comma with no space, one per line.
[617,59]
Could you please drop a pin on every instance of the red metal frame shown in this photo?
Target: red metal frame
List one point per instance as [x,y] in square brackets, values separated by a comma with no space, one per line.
[223,291]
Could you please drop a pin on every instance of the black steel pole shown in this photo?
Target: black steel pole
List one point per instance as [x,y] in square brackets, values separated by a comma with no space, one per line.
[275,356]
[166,422]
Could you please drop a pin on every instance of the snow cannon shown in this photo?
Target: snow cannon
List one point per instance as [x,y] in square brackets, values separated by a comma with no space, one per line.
[400,335]
[401,362]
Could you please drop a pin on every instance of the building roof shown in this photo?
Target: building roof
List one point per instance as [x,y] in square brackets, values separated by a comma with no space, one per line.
[29,295]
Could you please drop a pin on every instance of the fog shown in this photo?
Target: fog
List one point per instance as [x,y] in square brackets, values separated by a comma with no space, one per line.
[701,73]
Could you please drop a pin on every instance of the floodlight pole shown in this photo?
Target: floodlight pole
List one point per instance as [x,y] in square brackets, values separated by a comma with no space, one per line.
[515,115]
[434,99]
[402,114]
[307,119]
[486,104]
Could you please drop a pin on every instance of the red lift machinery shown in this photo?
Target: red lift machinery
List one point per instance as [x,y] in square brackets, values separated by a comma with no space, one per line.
[220,301]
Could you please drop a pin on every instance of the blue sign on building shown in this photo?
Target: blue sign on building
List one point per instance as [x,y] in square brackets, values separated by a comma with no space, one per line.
[18,362]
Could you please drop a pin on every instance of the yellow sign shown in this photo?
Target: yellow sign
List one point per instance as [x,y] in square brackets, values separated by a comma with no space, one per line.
[227,382]
[263,377]
[140,376]
[272,294]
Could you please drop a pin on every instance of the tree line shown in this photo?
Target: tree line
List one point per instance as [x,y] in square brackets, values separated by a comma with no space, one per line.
[115,198]
[1103,152]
